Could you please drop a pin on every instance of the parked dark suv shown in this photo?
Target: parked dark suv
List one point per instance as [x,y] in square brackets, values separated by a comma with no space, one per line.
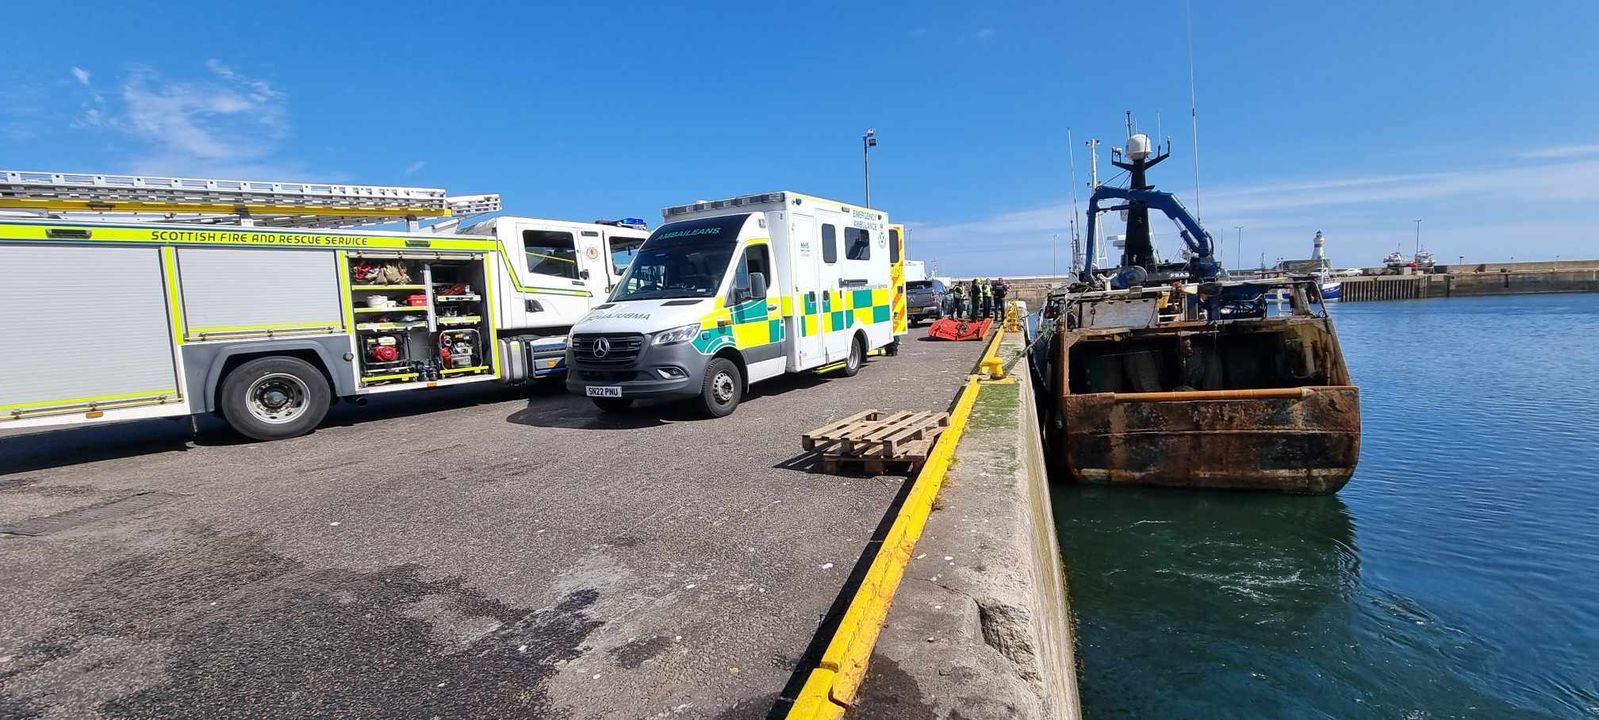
[926,300]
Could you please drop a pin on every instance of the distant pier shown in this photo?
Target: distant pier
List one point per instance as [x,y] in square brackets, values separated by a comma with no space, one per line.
[1468,280]
[1476,280]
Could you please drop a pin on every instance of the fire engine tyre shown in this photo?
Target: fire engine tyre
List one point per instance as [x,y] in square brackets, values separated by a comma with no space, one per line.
[721,389]
[857,356]
[273,398]
[612,406]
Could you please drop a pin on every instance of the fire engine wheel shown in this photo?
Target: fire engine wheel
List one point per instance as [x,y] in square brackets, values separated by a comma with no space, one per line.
[612,406]
[857,355]
[721,389]
[272,398]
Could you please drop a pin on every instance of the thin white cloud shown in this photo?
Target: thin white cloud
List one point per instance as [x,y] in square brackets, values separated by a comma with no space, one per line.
[918,32]
[985,33]
[415,167]
[222,124]
[1559,151]
[81,74]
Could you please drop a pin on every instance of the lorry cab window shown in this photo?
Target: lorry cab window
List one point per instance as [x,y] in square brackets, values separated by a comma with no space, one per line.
[829,243]
[550,253]
[681,260]
[857,244]
[623,250]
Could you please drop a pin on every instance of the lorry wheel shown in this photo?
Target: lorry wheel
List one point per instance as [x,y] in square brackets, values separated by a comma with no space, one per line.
[721,390]
[612,406]
[272,398]
[857,355]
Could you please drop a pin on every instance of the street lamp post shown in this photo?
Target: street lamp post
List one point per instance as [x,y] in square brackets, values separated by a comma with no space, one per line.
[1418,236]
[868,141]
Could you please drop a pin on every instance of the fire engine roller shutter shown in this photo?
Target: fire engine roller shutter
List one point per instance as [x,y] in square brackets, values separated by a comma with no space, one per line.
[239,289]
[84,324]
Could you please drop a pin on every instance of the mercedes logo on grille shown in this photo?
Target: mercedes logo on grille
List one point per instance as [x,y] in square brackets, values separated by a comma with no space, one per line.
[602,347]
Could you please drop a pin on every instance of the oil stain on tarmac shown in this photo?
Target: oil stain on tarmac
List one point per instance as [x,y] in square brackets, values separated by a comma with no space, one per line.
[240,631]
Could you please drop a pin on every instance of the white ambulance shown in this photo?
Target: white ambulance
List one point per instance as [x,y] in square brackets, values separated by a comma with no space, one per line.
[732,292]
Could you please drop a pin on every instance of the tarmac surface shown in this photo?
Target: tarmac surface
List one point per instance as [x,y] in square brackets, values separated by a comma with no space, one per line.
[474,552]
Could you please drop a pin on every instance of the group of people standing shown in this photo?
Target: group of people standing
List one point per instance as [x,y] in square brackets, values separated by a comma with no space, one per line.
[980,298]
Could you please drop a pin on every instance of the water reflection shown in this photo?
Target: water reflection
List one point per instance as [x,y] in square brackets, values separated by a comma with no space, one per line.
[1168,584]
[1471,588]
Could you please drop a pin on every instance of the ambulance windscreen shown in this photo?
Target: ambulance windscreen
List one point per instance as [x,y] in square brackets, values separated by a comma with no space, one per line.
[681,260]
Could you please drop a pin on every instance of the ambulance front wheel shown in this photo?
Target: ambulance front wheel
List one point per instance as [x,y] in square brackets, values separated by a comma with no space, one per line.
[272,398]
[721,389]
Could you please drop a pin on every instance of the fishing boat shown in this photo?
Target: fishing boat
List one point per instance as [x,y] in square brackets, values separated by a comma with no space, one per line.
[1331,288]
[1165,374]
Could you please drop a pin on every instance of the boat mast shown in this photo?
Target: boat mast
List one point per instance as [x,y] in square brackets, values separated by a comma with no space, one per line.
[1077,240]
[1140,157]
[1097,241]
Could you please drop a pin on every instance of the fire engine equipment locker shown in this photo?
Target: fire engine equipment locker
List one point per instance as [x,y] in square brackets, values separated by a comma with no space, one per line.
[97,316]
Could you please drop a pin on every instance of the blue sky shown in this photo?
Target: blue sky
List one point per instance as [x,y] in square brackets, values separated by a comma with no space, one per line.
[1354,118]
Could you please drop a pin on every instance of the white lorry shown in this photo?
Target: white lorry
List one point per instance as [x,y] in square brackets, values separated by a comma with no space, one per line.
[254,301]
[732,292]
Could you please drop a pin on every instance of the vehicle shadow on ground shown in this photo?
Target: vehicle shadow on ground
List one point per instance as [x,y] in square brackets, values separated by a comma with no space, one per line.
[577,413]
[58,448]
[47,449]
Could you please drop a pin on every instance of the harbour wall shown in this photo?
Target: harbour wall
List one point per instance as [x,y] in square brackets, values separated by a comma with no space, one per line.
[1469,284]
[1030,289]
[980,628]
[1459,280]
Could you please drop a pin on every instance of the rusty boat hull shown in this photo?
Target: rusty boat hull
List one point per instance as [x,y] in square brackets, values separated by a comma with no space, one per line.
[1206,389]
[1303,440]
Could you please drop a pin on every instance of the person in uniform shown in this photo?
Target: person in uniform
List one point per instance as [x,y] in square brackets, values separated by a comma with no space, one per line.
[1000,289]
[958,302]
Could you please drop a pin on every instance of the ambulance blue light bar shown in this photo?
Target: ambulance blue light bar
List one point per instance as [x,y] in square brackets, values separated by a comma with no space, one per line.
[741,201]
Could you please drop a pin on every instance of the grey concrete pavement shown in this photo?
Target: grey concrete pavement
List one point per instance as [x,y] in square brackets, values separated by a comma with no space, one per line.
[469,553]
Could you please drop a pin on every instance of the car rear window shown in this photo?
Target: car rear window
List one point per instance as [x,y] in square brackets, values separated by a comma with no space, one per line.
[918,284]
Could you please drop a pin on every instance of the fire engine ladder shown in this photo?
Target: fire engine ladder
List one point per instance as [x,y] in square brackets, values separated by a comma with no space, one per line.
[229,202]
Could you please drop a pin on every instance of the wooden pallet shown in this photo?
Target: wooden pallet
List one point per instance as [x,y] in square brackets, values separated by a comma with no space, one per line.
[869,466]
[876,442]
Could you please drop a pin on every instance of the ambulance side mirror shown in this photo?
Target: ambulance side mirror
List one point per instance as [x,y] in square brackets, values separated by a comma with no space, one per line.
[757,286]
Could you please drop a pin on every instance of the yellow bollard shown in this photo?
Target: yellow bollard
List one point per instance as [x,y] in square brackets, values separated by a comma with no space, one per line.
[1014,310]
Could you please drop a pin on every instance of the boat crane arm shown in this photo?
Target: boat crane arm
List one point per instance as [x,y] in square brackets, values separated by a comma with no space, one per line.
[1202,266]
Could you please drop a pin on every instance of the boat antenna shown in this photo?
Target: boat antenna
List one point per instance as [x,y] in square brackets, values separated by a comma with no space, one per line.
[1071,154]
[1193,102]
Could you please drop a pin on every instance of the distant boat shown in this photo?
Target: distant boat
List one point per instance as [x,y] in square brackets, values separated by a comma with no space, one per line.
[1331,288]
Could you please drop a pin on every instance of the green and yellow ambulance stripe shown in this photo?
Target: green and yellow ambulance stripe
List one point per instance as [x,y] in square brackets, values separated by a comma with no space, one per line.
[745,325]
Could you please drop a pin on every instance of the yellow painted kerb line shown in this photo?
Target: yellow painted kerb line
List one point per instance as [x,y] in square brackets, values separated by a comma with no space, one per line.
[831,687]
